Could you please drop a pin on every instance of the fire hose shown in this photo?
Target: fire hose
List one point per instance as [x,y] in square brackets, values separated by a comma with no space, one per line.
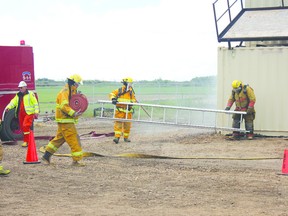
[79,102]
[147,156]
[93,134]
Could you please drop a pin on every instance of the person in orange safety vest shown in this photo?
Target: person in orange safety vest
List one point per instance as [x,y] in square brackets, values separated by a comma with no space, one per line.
[123,94]
[27,109]
[66,119]
[244,98]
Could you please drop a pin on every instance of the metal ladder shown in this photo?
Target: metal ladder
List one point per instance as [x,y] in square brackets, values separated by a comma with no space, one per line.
[168,115]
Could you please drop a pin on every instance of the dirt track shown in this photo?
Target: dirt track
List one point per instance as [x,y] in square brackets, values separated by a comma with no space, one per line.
[229,184]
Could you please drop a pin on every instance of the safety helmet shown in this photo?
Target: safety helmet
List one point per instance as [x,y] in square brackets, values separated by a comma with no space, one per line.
[76,78]
[127,80]
[22,84]
[236,84]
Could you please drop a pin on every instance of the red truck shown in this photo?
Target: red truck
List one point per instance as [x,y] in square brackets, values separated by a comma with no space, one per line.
[16,64]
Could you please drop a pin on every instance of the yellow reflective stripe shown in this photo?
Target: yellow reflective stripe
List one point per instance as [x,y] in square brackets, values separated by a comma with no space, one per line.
[36,107]
[66,120]
[118,132]
[126,134]
[29,109]
[71,112]
[27,100]
[77,154]
[26,133]
[50,145]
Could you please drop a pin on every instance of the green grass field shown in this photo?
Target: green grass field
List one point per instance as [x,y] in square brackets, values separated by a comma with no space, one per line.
[177,95]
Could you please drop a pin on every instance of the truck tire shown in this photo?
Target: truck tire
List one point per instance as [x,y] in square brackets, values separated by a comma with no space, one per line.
[10,129]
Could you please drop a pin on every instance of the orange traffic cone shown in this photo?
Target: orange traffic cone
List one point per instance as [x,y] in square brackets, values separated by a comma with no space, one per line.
[31,157]
[285,163]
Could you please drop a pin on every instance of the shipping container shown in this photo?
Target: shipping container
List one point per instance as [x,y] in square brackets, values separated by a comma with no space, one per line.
[265,69]
[260,60]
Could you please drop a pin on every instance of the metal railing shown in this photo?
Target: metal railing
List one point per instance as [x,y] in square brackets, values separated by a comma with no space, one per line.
[168,115]
[227,12]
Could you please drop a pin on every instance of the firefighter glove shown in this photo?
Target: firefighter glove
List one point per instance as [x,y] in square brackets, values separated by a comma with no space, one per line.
[250,110]
[114,101]
[78,113]
[227,108]
[238,109]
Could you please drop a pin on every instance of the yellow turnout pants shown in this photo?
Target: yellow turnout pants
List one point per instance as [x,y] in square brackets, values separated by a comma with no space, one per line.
[66,133]
[122,127]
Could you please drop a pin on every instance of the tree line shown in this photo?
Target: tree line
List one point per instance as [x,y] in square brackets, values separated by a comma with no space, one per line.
[197,81]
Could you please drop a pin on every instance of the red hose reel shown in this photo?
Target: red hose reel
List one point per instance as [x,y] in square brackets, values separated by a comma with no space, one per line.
[79,102]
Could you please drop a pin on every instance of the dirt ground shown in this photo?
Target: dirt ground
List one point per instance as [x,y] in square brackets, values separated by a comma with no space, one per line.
[204,174]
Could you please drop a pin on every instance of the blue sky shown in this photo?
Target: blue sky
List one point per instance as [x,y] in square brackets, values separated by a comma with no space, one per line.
[112,39]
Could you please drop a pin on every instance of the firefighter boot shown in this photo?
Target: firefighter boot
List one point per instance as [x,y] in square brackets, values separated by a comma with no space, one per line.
[24,144]
[236,135]
[46,157]
[3,171]
[78,164]
[116,140]
[127,140]
[249,127]
[250,136]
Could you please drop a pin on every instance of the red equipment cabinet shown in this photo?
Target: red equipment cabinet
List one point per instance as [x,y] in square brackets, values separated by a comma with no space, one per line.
[16,64]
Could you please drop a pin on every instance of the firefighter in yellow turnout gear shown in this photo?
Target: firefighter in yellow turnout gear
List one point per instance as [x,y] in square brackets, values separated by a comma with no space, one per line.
[123,94]
[66,118]
[244,98]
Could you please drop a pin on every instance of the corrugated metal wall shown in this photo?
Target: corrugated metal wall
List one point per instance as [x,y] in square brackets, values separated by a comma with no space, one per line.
[265,69]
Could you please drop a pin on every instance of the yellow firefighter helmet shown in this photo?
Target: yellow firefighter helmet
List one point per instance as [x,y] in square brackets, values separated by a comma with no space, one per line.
[236,84]
[76,78]
[127,80]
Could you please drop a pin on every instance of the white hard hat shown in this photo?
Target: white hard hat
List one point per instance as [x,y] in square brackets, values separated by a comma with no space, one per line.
[22,84]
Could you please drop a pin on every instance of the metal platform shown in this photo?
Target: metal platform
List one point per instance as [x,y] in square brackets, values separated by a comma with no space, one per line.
[258,25]
[251,24]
